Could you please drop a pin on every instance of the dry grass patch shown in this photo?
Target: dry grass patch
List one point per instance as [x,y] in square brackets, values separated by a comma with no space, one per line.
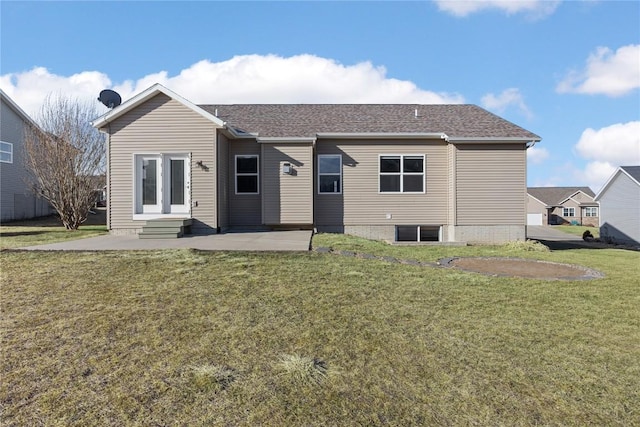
[130,338]
[302,369]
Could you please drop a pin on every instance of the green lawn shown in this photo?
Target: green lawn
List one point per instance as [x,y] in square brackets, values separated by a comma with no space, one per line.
[221,338]
[578,229]
[49,229]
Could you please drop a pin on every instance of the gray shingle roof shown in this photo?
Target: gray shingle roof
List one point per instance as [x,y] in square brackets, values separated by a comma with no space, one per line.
[553,196]
[634,171]
[307,120]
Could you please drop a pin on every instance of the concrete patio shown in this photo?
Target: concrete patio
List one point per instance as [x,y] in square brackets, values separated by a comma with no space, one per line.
[298,240]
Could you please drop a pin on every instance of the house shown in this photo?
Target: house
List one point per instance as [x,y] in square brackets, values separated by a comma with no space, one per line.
[620,206]
[561,205]
[451,173]
[16,199]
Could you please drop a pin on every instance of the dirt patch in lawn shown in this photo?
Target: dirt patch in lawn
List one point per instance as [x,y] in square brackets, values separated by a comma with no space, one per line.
[518,267]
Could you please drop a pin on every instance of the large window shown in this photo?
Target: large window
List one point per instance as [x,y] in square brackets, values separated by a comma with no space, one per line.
[568,212]
[591,211]
[247,181]
[329,173]
[6,152]
[402,174]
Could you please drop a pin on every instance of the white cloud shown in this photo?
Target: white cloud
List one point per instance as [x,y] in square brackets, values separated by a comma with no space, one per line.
[537,155]
[607,148]
[594,175]
[508,98]
[618,144]
[606,72]
[29,89]
[534,8]
[241,79]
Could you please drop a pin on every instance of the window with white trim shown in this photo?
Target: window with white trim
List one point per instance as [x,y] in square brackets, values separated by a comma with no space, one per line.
[6,152]
[162,184]
[401,174]
[591,211]
[247,174]
[329,173]
[418,233]
[568,211]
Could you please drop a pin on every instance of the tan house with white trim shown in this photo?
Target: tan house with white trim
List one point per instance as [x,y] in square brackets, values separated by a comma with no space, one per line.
[562,205]
[450,173]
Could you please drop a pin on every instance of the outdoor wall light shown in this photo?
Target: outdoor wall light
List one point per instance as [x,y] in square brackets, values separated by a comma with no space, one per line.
[287,169]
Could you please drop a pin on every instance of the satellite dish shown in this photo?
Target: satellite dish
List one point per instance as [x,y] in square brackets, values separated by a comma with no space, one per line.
[110,98]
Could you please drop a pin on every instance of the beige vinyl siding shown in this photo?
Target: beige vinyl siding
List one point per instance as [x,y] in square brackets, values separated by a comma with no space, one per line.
[287,198]
[361,203]
[222,164]
[581,197]
[244,209]
[161,125]
[535,206]
[491,184]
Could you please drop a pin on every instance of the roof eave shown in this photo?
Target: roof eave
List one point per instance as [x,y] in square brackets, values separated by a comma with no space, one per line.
[493,139]
[610,180]
[383,135]
[19,111]
[145,96]
[286,140]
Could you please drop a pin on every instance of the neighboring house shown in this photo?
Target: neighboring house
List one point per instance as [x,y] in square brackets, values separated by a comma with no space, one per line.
[453,173]
[620,206]
[16,199]
[561,205]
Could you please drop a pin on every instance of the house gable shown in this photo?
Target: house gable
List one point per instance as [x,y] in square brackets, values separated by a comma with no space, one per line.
[145,96]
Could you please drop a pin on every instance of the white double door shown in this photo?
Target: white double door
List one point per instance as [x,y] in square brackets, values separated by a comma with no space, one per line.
[163,184]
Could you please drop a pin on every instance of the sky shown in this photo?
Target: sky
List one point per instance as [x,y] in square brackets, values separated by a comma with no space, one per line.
[568,71]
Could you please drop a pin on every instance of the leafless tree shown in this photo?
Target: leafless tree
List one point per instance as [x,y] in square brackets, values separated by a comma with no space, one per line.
[65,155]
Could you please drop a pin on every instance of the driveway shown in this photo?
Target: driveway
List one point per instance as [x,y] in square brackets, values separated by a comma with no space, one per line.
[545,232]
[555,239]
[298,240]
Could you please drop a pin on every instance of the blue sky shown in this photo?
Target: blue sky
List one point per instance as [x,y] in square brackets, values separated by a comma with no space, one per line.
[568,71]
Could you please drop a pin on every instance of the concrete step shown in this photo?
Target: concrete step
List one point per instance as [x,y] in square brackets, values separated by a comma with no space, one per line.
[171,222]
[148,235]
[169,228]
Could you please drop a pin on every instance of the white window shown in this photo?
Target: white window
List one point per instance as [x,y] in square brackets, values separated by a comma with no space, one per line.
[247,174]
[568,212]
[162,183]
[402,174]
[590,211]
[6,152]
[329,173]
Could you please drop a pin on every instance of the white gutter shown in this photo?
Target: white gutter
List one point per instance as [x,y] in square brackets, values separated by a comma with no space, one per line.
[286,140]
[405,135]
[494,139]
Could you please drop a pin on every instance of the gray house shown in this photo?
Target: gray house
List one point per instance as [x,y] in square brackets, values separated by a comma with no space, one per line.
[561,205]
[16,200]
[620,206]
[396,172]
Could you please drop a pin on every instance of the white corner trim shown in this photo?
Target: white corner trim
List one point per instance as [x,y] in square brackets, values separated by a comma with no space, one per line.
[145,96]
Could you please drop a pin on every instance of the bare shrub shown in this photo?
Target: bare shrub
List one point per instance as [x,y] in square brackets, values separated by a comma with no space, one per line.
[65,155]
